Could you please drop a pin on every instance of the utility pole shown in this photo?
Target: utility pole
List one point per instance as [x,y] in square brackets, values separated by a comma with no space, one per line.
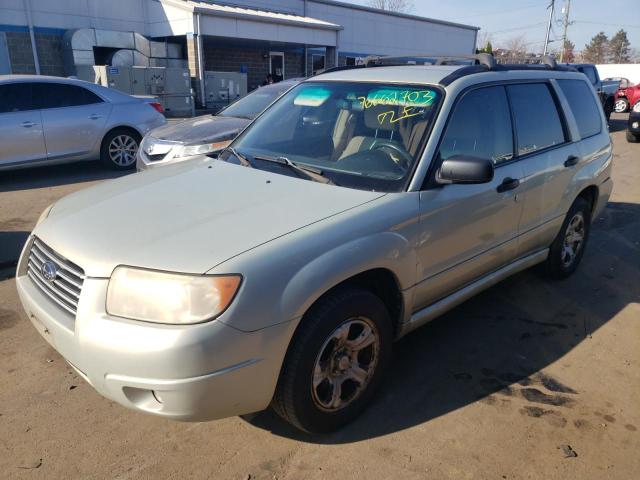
[566,24]
[552,7]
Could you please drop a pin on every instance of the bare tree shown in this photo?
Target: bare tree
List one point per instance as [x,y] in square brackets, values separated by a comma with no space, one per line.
[513,50]
[402,6]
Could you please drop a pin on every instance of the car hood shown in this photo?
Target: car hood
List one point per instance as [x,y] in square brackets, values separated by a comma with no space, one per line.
[186,218]
[207,128]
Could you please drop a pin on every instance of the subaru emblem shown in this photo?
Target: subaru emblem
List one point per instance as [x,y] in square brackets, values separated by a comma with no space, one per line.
[49,271]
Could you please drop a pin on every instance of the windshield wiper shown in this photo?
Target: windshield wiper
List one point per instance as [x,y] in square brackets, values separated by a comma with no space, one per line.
[309,173]
[241,158]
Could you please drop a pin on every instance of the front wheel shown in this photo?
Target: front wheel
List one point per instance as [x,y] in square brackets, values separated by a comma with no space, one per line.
[335,362]
[119,149]
[568,248]
[621,105]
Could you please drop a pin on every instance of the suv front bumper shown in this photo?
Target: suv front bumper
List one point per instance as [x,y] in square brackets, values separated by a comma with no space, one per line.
[192,372]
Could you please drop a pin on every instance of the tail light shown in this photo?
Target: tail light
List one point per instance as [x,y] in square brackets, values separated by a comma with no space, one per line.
[156,106]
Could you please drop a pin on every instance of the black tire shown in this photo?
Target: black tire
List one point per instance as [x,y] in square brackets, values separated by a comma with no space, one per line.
[631,138]
[557,264]
[296,399]
[127,160]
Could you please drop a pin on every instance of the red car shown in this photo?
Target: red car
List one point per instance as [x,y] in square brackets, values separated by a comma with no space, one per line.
[626,96]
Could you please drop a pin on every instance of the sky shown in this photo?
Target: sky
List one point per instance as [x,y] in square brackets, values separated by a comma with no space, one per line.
[505,19]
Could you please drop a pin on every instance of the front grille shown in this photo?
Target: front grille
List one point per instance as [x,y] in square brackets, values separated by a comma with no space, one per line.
[66,287]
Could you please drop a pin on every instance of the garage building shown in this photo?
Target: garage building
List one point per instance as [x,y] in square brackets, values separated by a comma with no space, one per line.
[284,38]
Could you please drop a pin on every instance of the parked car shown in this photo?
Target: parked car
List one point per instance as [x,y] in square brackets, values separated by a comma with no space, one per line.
[633,125]
[606,91]
[359,206]
[50,120]
[206,134]
[627,95]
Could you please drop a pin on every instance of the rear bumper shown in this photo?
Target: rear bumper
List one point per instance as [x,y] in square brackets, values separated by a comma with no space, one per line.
[192,373]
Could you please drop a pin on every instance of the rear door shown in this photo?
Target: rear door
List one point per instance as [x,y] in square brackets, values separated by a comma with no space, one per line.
[467,231]
[73,118]
[21,134]
[548,159]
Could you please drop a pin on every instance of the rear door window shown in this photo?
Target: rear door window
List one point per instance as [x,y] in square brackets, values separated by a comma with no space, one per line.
[16,97]
[59,95]
[480,126]
[536,117]
[583,105]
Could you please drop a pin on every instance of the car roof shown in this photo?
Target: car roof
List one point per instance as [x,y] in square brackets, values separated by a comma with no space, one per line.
[393,74]
[442,74]
[41,78]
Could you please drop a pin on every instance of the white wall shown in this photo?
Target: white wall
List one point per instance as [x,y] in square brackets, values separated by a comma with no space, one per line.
[624,70]
[125,15]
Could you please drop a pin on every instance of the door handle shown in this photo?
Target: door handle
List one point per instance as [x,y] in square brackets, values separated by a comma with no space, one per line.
[94,116]
[571,161]
[508,184]
[28,124]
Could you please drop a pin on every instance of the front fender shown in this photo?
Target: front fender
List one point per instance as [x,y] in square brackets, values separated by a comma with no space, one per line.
[387,250]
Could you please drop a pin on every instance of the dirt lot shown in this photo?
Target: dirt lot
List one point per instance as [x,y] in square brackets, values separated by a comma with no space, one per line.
[493,390]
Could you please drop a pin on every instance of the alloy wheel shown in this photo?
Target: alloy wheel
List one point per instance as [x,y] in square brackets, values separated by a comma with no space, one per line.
[346,363]
[573,239]
[122,150]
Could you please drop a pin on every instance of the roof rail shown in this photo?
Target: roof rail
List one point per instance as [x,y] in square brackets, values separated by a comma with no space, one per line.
[484,59]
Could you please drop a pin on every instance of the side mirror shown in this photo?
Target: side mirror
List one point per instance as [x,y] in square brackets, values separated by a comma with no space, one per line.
[465,169]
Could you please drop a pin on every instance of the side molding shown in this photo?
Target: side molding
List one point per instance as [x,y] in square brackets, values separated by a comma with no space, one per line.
[434,310]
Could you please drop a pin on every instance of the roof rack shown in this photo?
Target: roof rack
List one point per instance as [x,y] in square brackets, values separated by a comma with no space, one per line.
[478,63]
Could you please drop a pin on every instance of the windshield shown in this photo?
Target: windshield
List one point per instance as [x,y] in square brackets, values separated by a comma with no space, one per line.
[360,135]
[251,105]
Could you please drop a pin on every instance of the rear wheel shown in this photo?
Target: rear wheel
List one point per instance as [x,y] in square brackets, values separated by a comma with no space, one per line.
[335,362]
[568,248]
[631,138]
[119,149]
[621,105]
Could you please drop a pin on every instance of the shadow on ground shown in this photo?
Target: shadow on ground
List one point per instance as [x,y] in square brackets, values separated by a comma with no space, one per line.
[11,244]
[618,124]
[56,175]
[495,344]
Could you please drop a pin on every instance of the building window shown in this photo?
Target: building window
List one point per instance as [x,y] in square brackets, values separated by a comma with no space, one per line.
[351,61]
[318,63]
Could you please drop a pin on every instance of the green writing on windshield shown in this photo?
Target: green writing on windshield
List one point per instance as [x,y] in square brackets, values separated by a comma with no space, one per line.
[398,98]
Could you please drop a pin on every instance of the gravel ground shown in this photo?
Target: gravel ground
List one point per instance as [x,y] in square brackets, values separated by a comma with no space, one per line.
[529,380]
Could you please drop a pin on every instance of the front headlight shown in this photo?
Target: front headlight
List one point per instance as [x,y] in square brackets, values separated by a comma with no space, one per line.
[636,107]
[171,298]
[44,214]
[192,150]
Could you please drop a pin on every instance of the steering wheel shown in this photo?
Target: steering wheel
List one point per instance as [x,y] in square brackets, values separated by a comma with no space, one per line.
[405,159]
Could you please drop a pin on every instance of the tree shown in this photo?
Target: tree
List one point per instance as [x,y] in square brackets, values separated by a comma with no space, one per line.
[598,50]
[516,49]
[568,55]
[483,39]
[402,6]
[619,47]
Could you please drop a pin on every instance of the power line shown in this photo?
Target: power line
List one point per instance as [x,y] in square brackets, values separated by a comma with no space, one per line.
[552,6]
[566,24]
[523,27]
[607,24]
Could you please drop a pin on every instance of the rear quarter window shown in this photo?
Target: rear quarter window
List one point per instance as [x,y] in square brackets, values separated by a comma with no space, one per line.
[583,105]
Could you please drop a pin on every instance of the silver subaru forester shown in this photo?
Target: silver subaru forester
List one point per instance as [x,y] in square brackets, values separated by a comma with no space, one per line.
[362,204]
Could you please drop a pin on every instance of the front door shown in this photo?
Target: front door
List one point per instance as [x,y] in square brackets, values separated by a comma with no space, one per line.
[21,135]
[276,66]
[73,118]
[468,231]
